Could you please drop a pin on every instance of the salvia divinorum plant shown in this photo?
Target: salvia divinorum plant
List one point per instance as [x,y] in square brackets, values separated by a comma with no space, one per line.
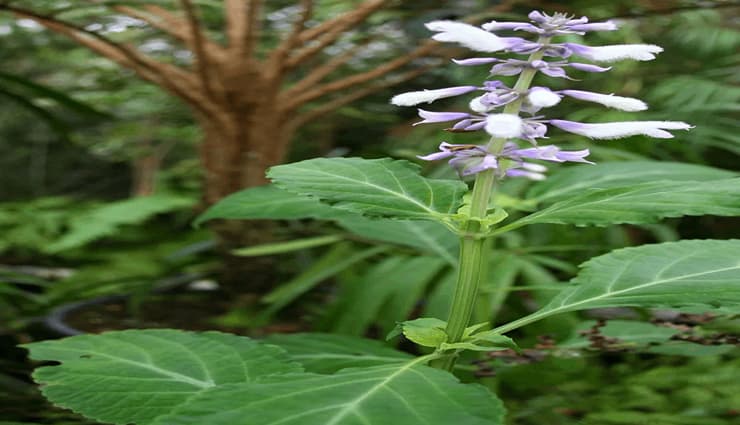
[168,377]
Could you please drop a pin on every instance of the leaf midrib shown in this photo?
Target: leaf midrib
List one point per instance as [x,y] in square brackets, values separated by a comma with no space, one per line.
[349,407]
[382,189]
[149,366]
[555,193]
[637,287]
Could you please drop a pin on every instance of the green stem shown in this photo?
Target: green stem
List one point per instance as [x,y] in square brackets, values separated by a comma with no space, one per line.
[473,246]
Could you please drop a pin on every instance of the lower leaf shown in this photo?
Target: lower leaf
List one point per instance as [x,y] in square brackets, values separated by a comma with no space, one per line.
[135,376]
[407,394]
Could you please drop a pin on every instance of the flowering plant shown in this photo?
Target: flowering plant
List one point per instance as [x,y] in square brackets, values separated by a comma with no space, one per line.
[168,377]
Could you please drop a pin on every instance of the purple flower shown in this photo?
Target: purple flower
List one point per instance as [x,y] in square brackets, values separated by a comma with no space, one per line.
[608,100]
[618,130]
[472,159]
[551,69]
[433,117]
[640,52]
[416,97]
[475,61]
[549,26]
[471,37]
[545,153]
[466,159]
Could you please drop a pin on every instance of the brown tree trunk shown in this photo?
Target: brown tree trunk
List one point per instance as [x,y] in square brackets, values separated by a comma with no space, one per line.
[236,151]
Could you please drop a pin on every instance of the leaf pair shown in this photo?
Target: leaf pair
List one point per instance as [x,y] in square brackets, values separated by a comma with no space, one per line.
[621,192]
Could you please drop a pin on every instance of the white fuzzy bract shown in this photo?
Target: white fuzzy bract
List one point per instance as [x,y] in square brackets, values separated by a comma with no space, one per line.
[416,97]
[478,106]
[506,126]
[469,36]
[609,100]
[640,52]
[618,130]
[542,97]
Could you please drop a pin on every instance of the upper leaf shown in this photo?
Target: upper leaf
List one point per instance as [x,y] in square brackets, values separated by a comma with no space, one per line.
[380,187]
[643,203]
[405,393]
[572,181]
[327,353]
[135,376]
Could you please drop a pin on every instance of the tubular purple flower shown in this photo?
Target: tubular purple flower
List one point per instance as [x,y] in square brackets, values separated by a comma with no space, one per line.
[539,17]
[640,52]
[472,159]
[514,26]
[618,130]
[471,37]
[462,125]
[560,23]
[587,67]
[478,125]
[532,130]
[500,97]
[546,153]
[509,67]
[448,150]
[574,156]
[609,100]
[429,96]
[514,172]
[476,165]
[595,26]
[433,117]
[475,61]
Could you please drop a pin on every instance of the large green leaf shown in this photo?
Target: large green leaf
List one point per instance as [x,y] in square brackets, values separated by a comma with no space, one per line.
[379,187]
[572,181]
[328,353]
[695,273]
[643,203]
[268,202]
[404,394]
[134,376]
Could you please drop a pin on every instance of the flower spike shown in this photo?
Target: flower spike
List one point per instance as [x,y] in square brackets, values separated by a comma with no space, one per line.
[497,110]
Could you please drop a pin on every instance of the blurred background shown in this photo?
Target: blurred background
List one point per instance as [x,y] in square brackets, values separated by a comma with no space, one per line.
[120,122]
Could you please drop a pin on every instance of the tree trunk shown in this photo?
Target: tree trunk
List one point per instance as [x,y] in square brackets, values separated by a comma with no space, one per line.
[236,151]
